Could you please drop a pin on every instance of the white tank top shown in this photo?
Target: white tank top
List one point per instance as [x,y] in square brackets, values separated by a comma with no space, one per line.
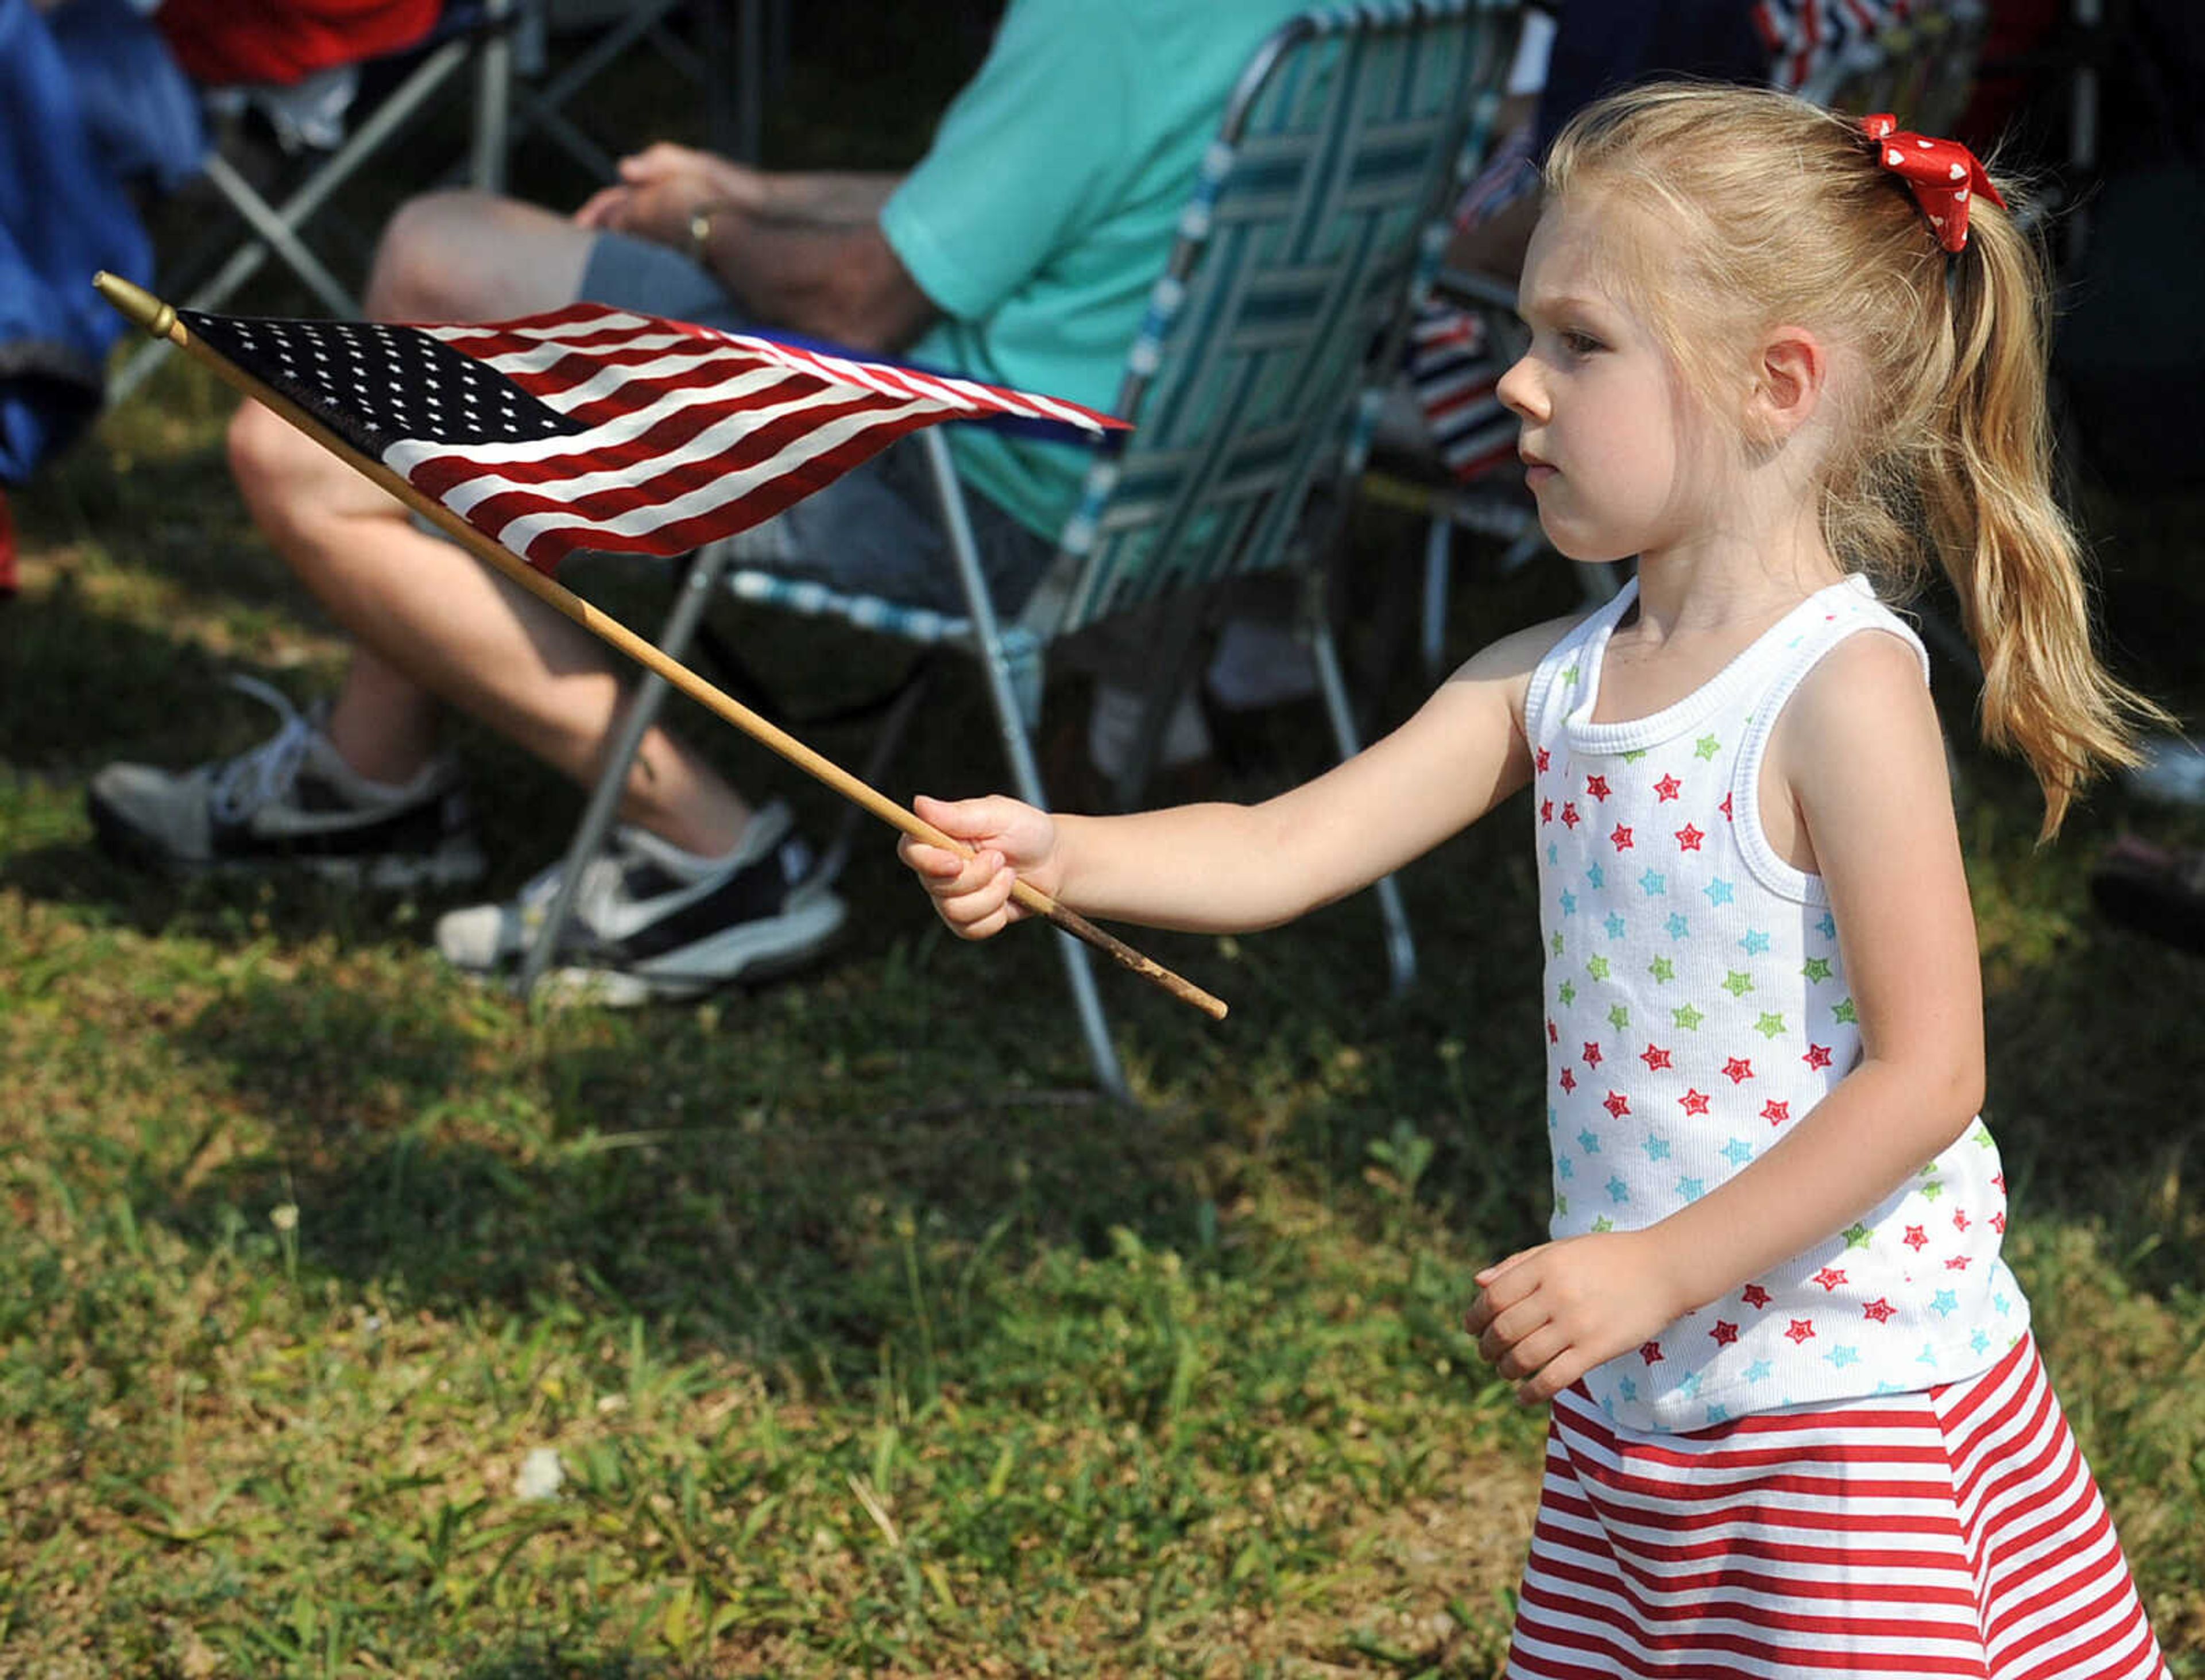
[1696,1005]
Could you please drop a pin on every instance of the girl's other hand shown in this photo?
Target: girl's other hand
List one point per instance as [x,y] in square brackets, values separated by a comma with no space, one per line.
[1547,1316]
[1010,840]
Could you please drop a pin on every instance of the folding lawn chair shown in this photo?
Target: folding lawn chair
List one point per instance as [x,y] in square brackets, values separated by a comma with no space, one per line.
[1250,385]
[471,35]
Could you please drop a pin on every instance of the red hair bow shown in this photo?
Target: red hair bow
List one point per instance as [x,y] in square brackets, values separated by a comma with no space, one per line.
[1941,175]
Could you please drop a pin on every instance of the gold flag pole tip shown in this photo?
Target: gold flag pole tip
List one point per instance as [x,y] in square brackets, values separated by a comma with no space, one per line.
[136,304]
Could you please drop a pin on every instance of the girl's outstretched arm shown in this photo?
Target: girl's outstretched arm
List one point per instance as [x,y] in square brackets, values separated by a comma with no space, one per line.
[1228,868]
[1859,752]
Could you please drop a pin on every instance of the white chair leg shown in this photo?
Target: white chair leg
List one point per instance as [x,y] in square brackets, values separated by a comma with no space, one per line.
[1017,746]
[698,585]
[1394,914]
[1439,555]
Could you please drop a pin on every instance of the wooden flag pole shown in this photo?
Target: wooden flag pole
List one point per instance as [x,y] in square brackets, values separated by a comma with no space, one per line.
[157,318]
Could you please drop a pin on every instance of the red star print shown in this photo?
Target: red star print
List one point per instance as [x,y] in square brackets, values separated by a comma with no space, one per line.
[1739,1070]
[1775,1112]
[1914,1239]
[1817,1056]
[1668,786]
[1689,839]
[1592,1055]
[1960,1219]
[1617,1104]
[1542,759]
[1998,1223]
[1546,810]
[1727,817]
[1621,837]
[1725,1333]
[1569,1080]
[1596,786]
[1958,1262]
[1694,1102]
[1755,1297]
[1881,1310]
[1654,1057]
[1569,818]
[1553,1035]
[1802,1330]
[1829,1276]
[1651,1353]
[2000,1180]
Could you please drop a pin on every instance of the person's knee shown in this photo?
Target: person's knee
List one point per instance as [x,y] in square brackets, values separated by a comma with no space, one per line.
[264,454]
[288,481]
[461,255]
[424,268]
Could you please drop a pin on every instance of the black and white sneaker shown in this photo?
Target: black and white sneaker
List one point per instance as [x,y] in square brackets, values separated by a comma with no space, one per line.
[290,803]
[650,921]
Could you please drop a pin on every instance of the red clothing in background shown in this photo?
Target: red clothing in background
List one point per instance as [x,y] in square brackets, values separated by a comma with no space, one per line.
[219,41]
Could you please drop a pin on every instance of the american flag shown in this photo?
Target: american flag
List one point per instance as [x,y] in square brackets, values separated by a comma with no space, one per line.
[594,428]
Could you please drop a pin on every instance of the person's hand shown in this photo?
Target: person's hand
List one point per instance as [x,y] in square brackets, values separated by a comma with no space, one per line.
[1547,1316]
[1009,840]
[662,185]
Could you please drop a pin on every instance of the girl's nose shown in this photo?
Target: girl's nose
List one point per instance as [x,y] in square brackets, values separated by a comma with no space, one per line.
[1519,392]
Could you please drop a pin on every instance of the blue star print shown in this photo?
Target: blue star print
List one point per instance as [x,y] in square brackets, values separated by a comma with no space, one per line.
[1678,928]
[1654,884]
[1719,891]
[1755,942]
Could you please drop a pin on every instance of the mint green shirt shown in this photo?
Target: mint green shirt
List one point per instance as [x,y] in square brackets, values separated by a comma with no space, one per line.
[1046,206]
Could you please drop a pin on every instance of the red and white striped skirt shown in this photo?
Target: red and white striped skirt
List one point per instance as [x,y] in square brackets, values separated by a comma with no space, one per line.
[1952,1531]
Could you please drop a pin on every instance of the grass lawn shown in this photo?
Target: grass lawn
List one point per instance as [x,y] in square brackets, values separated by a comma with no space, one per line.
[856,1334]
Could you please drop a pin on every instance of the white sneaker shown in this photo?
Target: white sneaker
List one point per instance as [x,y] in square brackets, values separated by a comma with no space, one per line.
[651,921]
[290,803]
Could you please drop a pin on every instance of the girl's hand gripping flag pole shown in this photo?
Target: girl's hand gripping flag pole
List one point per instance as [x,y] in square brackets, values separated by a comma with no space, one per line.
[592,427]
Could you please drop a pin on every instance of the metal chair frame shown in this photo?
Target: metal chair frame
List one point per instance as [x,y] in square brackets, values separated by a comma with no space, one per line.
[276,229]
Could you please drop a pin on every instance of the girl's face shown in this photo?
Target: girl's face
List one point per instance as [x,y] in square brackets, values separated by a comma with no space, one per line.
[1606,419]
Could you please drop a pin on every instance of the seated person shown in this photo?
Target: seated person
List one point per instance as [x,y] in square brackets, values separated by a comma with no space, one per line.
[1021,250]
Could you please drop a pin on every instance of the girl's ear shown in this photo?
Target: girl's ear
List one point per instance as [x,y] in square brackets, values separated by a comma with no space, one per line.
[1788,376]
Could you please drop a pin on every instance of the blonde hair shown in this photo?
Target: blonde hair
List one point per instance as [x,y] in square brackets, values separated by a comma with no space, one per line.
[1774,210]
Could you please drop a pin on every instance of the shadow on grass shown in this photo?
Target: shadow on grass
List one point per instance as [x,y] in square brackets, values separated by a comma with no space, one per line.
[771,1184]
[551,1665]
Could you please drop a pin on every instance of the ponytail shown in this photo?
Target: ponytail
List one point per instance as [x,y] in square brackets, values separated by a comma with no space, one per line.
[1986,505]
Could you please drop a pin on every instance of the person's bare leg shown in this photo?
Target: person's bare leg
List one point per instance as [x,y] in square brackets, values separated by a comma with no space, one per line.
[431,622]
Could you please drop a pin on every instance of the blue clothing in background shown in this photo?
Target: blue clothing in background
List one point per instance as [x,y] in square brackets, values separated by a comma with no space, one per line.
[64,213]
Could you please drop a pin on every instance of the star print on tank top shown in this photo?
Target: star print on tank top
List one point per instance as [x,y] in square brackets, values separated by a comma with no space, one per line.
[1697,1007]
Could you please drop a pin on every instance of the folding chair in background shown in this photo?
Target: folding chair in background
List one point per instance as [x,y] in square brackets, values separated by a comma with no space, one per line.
[1251,385]
[471,35]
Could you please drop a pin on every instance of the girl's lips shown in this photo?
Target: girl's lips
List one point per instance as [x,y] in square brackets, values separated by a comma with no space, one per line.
[1536,473]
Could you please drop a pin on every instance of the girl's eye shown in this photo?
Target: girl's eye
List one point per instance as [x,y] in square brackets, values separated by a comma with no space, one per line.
[1578,343]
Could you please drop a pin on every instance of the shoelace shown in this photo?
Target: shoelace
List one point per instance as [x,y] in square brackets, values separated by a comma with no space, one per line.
[268,771]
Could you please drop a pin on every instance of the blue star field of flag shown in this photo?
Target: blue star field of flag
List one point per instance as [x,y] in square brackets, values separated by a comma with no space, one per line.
[373,383]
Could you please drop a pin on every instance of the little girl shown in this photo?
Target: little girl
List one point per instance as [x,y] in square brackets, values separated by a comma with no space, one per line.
[1785,359]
